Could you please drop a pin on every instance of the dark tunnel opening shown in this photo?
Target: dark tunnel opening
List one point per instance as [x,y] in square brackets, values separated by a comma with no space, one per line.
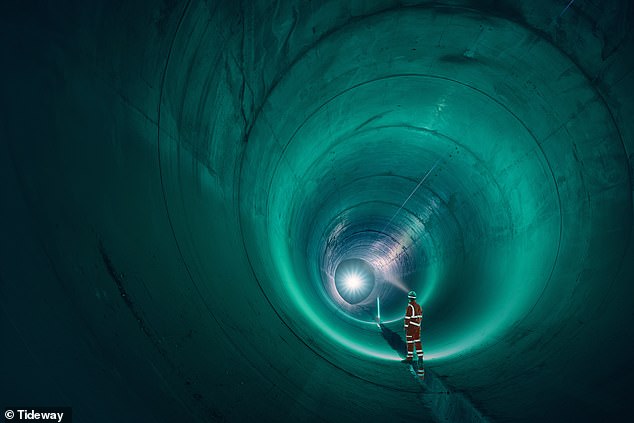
[207,206]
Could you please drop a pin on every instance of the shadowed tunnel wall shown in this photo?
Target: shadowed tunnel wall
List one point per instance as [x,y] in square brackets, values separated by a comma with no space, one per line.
[182,180]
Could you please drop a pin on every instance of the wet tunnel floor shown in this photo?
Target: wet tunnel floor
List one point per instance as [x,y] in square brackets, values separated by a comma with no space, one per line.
[398,396]
[436,400]
[408,403]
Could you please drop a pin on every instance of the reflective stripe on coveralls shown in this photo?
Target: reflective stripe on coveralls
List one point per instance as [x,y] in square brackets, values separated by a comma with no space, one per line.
[413,318]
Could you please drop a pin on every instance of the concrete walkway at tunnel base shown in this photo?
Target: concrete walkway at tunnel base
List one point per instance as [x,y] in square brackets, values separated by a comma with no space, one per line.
[445,404]
[407,404]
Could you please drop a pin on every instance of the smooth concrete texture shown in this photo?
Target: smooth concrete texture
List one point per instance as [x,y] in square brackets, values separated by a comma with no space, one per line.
[181,180]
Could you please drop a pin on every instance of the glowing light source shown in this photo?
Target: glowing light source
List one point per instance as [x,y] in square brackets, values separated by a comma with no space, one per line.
[353,281]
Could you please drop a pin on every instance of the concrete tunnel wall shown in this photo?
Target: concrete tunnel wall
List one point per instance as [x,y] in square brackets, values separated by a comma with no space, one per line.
[181,179]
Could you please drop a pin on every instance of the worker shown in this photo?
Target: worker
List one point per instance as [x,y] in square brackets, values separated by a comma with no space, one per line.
[413,321]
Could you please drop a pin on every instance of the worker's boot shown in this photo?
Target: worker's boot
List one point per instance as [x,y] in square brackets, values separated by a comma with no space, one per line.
[420,369]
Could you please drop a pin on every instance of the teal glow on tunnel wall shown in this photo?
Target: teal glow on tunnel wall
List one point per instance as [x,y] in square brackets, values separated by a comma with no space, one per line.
[356,150]
[182,180]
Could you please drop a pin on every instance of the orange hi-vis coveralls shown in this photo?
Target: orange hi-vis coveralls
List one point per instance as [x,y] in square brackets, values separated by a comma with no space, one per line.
[413,321]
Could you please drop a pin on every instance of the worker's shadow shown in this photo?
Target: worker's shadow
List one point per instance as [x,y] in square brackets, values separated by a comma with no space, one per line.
[394,340]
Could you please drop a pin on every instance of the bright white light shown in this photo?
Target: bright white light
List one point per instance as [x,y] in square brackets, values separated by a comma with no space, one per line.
[353,281]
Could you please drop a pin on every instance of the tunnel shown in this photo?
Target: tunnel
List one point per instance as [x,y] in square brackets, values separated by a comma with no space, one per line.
[214,211]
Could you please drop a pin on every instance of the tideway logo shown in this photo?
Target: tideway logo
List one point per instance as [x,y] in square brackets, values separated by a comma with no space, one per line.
[51,414]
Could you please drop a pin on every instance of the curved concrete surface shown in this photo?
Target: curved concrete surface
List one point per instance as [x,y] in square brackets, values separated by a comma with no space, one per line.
[182,180]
